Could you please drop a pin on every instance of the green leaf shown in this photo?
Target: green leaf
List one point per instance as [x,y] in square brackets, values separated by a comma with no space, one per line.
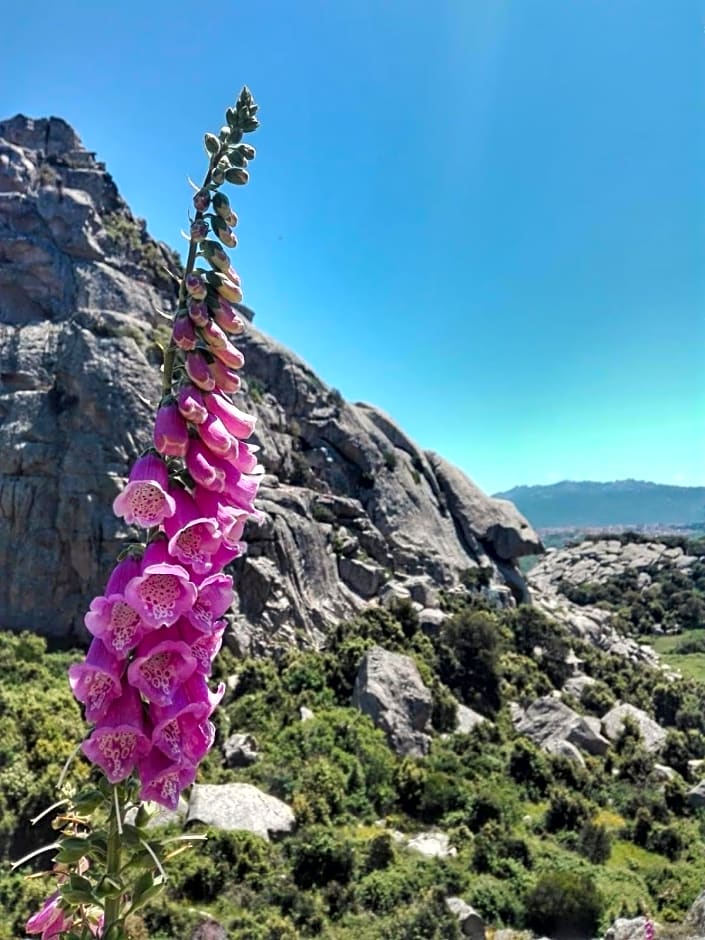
[146,897]
[79,883]
[72,849]
[88,801]
[109,887]
[77,897]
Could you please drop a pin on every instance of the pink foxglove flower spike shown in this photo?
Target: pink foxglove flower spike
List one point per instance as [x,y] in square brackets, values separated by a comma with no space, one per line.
[160,622]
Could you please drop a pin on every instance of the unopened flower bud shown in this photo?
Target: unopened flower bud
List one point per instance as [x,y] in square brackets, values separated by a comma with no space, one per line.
[223,231]
[213,335]
[237,175]
[199,230]
[198,312]
[224,378]
[195,286]
[184,334]
[248,151]
[201,200]
[212,144]
[198,371]
[214,255]
[227,317]
[191,404]
[229,356]
[170,431]
[227,288]
[222,207]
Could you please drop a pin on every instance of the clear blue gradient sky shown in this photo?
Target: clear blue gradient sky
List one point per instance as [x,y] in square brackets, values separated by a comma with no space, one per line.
[485,216]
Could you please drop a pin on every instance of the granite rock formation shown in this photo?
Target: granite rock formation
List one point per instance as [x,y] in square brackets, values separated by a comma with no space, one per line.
[355,511]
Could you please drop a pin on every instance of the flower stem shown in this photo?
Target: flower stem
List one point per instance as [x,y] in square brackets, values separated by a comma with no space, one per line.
[112,867]
[170,352]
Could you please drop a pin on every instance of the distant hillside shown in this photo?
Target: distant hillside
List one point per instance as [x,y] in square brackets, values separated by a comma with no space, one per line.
[622,503]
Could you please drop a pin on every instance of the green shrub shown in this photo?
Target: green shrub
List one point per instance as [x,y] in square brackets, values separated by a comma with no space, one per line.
[564,904]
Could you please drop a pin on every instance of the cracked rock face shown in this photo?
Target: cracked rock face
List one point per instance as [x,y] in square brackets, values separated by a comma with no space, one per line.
[353,507]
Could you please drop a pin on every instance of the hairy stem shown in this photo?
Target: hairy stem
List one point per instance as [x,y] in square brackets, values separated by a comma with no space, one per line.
[112,866]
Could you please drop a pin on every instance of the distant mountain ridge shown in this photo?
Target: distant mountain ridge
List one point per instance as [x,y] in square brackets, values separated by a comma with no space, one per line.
[621,503]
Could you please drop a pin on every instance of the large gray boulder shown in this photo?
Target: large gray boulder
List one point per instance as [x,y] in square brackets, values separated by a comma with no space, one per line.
[653,736]
[389,689]
[548,721]
[471,923]
[239,806]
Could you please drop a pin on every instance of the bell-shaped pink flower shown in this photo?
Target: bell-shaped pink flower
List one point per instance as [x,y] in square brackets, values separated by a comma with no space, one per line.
[119,737]
[230,518]
[51,921]
[223,377]
[191,404]
[181,729]
[97,681]
[204,646]
[239,423]
[243,492]
[145,501]
[184,333]
[111,618]
[198,371]
[163,780]
[227,317]
[198,312]
[216,437]
[229,356]
[193,538]
[215,597]
[162,663]
[244,458]
[163,591]
[171,431]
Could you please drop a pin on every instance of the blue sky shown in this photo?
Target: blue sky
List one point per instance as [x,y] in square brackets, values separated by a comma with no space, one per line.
[486,217]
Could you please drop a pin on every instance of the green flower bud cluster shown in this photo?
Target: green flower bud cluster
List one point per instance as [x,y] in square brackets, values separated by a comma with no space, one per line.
[211,232]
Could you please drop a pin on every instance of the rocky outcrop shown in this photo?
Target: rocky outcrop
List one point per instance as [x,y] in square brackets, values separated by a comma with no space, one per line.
[239,806]
[595,561]
[550,723]
[389,689]
[495,523]
[593,625]
[354,509]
